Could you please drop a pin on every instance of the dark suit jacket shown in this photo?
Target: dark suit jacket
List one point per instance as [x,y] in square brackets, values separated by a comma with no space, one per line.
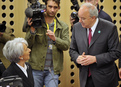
[120,50]
[120,57]
[13,69]
[104,46]
[103,15]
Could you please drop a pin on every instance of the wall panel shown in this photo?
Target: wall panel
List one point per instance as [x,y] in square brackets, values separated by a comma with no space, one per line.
[70,75]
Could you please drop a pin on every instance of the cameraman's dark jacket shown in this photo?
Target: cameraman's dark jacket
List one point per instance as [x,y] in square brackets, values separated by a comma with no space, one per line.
[38,45]
[7,35]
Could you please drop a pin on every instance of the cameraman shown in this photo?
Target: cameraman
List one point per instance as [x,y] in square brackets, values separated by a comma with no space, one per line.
[101,13]
[4,37]
[47,44]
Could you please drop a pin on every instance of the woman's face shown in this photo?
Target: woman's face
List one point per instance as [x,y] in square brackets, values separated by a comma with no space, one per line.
[26,53]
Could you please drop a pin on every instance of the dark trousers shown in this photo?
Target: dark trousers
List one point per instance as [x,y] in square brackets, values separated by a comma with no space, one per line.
[89,82]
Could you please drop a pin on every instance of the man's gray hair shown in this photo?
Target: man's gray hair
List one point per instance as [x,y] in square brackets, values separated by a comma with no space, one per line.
[13,49]
[92,9]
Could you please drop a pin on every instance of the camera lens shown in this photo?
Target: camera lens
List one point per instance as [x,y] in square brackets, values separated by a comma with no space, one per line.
[74,15]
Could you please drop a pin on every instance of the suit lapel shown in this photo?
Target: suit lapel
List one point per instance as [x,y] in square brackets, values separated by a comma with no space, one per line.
[29,74]
[84,35]
[18,70]
[97,33]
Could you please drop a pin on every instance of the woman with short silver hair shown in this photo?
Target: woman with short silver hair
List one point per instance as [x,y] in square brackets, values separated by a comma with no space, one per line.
[17,53]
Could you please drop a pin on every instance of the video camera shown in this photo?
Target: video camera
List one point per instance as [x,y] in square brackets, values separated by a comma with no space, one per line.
[2,27]
[35,11]
[74,15]
[75,6]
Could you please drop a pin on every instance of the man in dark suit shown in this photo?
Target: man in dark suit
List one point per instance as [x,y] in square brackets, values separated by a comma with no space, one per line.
[95,58]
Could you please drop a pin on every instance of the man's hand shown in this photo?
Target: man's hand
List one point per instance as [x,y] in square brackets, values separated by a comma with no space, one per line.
[71,21]
[85,60]
[88,59]
[79,59]
[51,35]
[1,34]
[120,73]
[29,20]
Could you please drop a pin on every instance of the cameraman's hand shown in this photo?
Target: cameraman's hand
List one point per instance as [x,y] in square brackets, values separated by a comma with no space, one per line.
[51,35]
[29,20]
[71,21]
[1,34]
[120,73]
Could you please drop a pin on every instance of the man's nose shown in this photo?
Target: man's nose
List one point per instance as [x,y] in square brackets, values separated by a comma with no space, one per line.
[52,9]
[80,20]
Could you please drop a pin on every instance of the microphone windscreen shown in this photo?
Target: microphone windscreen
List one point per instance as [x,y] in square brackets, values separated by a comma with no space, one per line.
[29,12]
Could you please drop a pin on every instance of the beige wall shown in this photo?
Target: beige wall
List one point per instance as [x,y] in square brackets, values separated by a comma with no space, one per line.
[65,11]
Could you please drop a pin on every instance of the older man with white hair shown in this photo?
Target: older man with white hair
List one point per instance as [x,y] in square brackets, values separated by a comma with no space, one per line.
[94,49]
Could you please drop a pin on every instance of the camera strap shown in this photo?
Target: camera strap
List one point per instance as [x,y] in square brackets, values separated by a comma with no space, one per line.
[54,25]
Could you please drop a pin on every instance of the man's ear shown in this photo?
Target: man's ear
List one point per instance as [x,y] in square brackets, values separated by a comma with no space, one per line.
[59,8]
[93,17]
[96,2]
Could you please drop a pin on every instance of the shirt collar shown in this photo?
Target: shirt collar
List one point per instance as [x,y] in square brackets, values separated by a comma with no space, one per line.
[24,69]
[95,25]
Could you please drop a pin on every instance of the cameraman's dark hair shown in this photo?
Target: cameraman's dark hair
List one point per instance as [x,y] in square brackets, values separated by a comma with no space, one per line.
[56,1]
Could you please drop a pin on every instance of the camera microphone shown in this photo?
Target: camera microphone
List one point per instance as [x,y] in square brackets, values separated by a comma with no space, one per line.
[29,12]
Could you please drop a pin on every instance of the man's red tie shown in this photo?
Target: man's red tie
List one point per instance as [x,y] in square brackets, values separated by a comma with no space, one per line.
[90,36]
[89,40]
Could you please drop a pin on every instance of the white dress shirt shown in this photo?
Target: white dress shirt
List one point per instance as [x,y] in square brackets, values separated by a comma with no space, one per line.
[24,69]
[93,28]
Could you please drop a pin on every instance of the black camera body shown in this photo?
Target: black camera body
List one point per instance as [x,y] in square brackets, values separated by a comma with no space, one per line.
[74,15]
[75,6]
[2,27]
[36,12]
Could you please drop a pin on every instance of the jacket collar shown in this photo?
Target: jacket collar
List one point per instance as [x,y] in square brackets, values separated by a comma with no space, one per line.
[59,26]
[97,32]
